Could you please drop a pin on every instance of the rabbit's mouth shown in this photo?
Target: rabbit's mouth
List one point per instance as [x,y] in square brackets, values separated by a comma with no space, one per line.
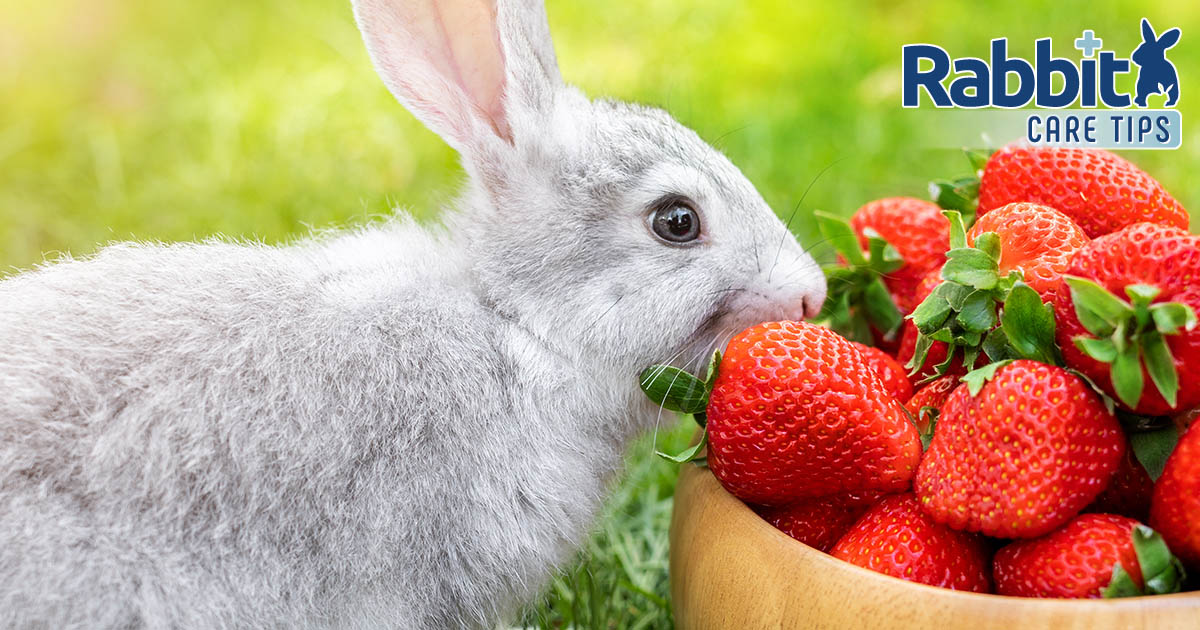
[734,310]
[720,324]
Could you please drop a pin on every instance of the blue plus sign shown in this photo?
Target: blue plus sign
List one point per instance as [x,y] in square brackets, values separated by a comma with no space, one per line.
[1088,43]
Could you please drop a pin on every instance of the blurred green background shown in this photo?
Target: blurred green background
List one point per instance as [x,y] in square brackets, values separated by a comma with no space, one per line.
[177,120]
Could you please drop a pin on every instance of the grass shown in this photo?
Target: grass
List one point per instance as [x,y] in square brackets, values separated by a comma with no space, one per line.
[176,120]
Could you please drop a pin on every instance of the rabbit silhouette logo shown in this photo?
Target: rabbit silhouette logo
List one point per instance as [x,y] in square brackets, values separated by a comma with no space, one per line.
[1155,73]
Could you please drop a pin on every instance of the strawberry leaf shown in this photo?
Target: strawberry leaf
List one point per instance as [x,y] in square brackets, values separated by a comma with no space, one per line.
[690,454]
[989,243]
[1152,448]
[975,379]
[1098,310]
[932,312]
[839,234]
[958,232]
[838,313]
[1029,325]
[1163,572]
[960,194]
[1142,293]
[1171,316]
[1161,365]
[955,294]
[996,345]
[1102,350]
[881,256]
[858,300]
[978,312]
[920,351]
[880,309]
[970,267]
[1127,378]
[978,158]
[710,373]
[674,389]
[1121,584]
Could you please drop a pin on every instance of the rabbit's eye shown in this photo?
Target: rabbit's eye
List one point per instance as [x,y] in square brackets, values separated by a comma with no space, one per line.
[676,221]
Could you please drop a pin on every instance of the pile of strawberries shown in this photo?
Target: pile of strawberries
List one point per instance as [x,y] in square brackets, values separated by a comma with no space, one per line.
[998,407]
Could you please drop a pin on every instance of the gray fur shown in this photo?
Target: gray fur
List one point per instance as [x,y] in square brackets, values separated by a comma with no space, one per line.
[398,426]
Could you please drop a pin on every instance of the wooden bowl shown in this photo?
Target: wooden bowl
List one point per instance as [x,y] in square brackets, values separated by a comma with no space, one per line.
[731,569]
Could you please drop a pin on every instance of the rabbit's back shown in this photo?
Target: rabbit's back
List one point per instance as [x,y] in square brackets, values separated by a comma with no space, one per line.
[240,435]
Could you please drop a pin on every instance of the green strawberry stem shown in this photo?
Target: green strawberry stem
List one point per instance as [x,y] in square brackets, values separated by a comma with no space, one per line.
[1130,334]
[678,390]
[961,194]
[1152,448]
[1162,572]
[857,298]
[964,310]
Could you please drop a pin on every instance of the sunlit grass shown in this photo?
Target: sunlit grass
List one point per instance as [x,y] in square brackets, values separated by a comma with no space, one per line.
[176,120]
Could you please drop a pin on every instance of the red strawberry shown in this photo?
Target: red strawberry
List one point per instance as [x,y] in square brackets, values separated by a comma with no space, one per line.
[918,231]
[1175,507]
[1020,456]
[1126,281]
[1074,561]
[932,395]
[1098,190]
[819,523]
[896,538]
[796,412]
[895,381]
[1038,240]
[1128,494]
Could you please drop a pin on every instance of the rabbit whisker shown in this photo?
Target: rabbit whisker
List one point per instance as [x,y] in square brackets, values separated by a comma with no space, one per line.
[788,226]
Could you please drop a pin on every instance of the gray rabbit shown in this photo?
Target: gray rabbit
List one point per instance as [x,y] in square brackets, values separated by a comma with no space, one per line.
[393,427]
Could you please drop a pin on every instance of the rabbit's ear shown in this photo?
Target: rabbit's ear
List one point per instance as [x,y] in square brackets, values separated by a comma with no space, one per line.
[1169,39]
[1147,31]
[458,64]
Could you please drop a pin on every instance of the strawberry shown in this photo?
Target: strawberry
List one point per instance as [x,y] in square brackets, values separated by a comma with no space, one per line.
[1126,312]
[819,523]
[1037,240]
[1175,506]
[1128,494]
[1020,454]
[1094,555]
[1100,191]
[980,307]
[933,396]
[896,538]
[918,231]
[889,371]
[796,412]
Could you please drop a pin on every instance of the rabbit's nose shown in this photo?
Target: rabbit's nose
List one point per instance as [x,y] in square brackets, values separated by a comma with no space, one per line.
[812,301]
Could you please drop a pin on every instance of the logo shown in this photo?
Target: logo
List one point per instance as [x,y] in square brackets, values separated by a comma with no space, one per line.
[1155,73]
[1092,110]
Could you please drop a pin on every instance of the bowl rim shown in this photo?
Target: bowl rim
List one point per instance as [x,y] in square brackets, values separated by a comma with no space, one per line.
[700,480]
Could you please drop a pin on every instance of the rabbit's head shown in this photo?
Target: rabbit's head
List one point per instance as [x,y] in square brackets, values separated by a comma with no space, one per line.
[606,229]
[1153,49]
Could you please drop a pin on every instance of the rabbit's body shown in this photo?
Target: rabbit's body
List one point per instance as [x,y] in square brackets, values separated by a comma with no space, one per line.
[395,427]
[241,441]
[1155,73]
